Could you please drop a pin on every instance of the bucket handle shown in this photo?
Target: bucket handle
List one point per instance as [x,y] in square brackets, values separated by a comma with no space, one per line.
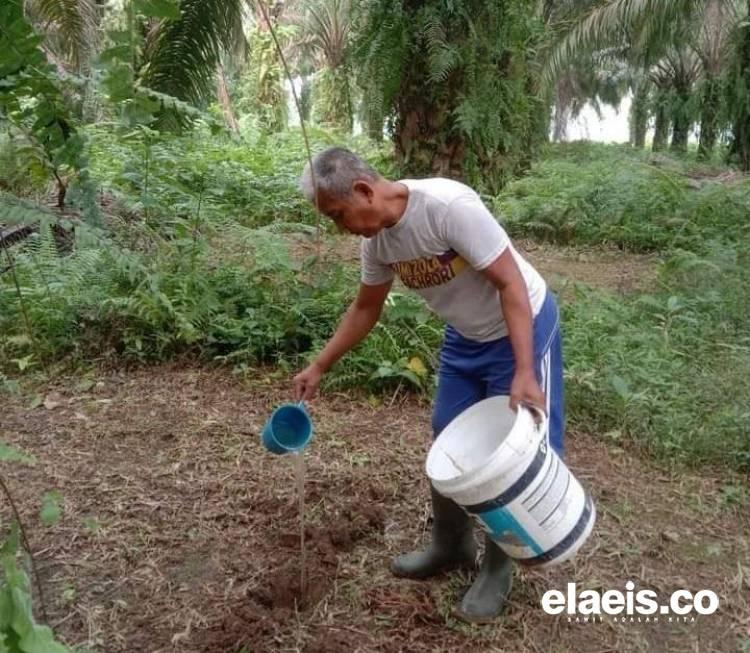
[539,415]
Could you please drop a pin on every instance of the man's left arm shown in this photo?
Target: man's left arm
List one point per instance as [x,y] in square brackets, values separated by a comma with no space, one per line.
[504,273]
[475,234]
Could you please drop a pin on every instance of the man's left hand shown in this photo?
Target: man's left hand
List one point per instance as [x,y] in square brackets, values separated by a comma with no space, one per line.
[526,390]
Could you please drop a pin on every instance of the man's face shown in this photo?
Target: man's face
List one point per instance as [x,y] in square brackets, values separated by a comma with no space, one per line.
[360,213]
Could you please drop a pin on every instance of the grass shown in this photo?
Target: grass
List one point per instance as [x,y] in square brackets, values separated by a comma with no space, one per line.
[664,369]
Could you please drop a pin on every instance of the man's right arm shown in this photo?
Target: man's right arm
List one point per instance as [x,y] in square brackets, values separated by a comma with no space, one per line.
[358,321]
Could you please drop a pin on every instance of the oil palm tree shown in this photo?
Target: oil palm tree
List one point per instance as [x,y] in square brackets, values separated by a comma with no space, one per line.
[262,81]
[458,81]
[323,37]
[674,76]
[655,31]
[738,96]
[719,23]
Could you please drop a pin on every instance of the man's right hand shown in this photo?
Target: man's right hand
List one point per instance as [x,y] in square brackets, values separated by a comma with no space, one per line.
[360,318]
[307,381]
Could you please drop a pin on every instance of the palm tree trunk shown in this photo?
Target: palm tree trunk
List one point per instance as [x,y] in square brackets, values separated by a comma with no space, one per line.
[332,104]
[560,123]
[305,98]
[222,91]
[661,127]
[374,124]
[562,111]
[680,133]
[681,121]
[639,114]
[424,138]
[740,149]
[537,133]
[710,105]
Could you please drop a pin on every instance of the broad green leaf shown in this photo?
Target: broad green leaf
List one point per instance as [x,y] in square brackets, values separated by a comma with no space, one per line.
[40,639]
[22,620]
[13,455]
[408,374]
[51,512]
[6,608]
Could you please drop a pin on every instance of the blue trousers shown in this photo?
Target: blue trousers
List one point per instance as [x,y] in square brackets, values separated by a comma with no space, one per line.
[471,371]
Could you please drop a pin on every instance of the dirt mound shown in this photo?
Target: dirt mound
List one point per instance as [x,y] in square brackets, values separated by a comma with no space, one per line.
[280,594]
[281,587]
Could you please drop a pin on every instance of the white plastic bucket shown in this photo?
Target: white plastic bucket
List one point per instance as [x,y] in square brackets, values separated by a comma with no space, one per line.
[499,466]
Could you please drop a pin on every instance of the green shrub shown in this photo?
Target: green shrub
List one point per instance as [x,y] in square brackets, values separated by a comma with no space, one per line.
[594,194]
[668,370]
[254,305]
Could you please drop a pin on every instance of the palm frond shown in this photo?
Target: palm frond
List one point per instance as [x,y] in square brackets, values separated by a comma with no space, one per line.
[382,51]
[443,57]
[69,26]
[324,31]
[181,55]
[647,25]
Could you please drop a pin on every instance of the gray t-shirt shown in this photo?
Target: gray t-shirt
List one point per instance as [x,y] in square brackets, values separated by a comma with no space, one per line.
[438,248]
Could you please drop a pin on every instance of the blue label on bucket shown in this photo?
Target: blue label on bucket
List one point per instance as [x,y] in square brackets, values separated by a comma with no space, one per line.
[500,522]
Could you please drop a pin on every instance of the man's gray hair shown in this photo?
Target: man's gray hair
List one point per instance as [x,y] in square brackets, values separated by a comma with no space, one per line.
[336,170]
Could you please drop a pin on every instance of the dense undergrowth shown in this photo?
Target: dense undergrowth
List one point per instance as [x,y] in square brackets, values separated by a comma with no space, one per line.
[584,193]
[666,368]
[198,254]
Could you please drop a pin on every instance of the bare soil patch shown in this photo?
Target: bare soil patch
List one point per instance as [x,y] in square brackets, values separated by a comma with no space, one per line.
[563,267]
[180,530]
[603,268]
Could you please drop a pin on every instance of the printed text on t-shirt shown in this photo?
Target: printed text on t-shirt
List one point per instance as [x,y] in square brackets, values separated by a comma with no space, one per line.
[431,271]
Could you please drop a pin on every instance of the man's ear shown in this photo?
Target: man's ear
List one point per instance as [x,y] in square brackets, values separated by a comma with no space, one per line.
[365,188]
